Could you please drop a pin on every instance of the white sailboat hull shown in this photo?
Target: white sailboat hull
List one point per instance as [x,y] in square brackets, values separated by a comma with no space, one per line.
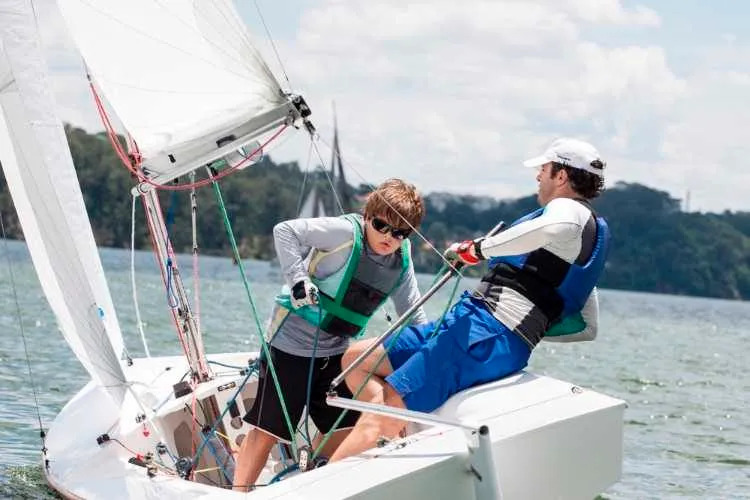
[550,439]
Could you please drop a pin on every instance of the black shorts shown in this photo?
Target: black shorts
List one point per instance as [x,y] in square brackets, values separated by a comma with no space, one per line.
[292,371]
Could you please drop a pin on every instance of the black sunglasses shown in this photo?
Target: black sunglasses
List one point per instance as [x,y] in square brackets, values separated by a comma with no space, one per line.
[383,227]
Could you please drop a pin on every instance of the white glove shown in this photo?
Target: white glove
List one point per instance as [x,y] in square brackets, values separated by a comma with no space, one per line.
[304,293]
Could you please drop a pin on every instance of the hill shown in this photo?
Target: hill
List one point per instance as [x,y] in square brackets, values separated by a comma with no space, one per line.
[656,247]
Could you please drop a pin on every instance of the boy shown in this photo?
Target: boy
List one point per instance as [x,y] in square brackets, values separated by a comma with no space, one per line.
[339,271]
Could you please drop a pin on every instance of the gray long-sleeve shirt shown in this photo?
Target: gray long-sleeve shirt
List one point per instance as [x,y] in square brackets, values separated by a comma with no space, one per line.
[294,241]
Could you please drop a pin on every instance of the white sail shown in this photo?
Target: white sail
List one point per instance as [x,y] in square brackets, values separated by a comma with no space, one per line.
[313,205]
[180,74]
[43,183]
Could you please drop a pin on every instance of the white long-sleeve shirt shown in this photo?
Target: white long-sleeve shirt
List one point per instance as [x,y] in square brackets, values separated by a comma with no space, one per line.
[559,230]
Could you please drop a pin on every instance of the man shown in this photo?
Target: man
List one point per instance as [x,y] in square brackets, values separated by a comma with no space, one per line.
[340,270]
[542,271]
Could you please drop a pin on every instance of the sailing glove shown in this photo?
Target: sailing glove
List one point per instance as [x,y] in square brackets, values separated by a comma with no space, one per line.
[304,293]
[466,252]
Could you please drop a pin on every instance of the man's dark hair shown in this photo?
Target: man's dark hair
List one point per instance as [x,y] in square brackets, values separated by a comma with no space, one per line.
[585,183]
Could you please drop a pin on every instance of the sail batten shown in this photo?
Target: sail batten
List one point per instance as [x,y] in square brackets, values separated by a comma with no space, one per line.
[42,181]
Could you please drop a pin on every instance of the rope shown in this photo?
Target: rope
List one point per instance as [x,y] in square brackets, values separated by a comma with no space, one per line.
[133,164]
[415,230]
[310,377]
[251,300]
[152,226]
[217,363]
[356,393]
[252,368]
[283,473]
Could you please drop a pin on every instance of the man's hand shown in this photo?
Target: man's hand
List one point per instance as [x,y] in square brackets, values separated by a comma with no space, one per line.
[304,293]
[463,252]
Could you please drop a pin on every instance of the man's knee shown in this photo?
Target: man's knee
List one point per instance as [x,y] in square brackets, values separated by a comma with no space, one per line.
[354,351]
[350,355]
[391,397]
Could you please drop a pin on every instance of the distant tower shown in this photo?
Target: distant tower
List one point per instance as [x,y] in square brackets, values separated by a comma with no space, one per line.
[687,201]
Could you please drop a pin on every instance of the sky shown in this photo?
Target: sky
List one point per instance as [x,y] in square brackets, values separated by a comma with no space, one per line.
[453,96]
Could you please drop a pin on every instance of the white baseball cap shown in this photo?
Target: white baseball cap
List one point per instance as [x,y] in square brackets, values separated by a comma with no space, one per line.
[573,153]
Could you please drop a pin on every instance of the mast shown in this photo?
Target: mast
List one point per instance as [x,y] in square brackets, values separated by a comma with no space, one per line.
[186,81]
[187,326]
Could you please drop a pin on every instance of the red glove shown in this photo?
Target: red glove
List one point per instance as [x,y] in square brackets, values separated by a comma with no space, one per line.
[463,251]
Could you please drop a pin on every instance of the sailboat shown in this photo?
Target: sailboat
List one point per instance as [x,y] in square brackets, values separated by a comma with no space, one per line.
[192,91]
[339,197]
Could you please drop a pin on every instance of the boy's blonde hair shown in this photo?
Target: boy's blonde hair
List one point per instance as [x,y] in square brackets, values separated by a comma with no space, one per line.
[397,202]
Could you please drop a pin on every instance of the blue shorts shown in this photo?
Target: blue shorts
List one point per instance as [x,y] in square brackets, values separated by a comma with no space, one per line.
[471,347]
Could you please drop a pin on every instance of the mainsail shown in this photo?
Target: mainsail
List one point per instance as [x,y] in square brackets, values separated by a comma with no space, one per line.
[189,87]
[182,76]
[43,183]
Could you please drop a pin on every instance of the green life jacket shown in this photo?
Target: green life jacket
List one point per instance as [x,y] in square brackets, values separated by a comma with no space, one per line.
[566,326]
[349,297]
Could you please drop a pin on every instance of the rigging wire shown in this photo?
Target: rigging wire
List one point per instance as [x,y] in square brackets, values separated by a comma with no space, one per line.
[192,185]
[253,368]
[152,231]
[414,229]
[273,45]
[251,300]
[133,281]
[336,197]
[19,317]
[304,180]
[355,394]
[196,270]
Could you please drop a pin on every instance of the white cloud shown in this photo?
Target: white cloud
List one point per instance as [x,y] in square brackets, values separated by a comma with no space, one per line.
[453,95]
[705,149]
[612,11]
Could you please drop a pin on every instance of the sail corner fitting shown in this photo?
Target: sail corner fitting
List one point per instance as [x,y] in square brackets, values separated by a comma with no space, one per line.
[304,112]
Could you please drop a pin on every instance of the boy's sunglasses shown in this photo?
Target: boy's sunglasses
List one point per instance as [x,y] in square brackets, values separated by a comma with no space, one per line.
[383,227]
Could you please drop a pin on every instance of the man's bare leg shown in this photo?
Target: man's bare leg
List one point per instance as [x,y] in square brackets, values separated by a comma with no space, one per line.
[333,442]
[252,457]
[371,427]
[372,389]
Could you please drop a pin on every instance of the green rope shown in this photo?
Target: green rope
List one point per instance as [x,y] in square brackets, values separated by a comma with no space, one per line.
[310,368]
[328,434]
[263,343]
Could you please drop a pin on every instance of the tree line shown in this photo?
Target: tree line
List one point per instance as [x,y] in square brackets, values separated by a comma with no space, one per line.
[656,247]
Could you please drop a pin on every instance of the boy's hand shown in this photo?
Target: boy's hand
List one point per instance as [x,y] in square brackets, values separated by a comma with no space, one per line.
[304,293]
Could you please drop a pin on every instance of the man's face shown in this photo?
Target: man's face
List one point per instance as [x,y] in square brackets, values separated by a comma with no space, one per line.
[546,182]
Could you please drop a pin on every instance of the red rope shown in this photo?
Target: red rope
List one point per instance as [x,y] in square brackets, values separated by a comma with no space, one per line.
[136,169]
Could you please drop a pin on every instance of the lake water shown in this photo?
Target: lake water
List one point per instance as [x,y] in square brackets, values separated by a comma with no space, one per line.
[677,361]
